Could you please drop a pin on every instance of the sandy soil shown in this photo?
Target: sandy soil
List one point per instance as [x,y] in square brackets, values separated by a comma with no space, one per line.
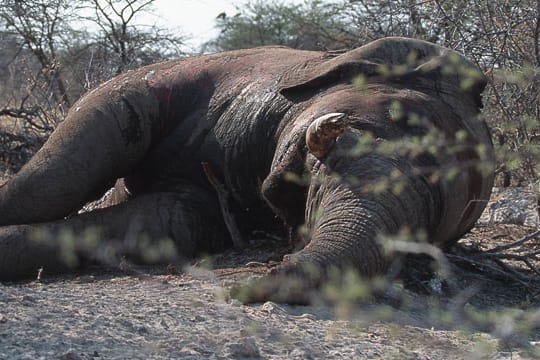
[138,313]
[123,317]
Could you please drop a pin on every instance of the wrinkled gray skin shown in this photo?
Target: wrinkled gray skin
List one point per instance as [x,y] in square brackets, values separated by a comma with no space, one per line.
[246,113]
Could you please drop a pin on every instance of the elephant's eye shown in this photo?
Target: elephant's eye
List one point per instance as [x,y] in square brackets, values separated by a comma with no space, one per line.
[412,121]
[368,128]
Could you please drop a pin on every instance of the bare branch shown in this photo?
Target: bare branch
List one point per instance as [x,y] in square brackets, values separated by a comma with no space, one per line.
[515,244]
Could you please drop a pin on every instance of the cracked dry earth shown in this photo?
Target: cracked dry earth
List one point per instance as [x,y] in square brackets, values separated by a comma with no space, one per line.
[139,313]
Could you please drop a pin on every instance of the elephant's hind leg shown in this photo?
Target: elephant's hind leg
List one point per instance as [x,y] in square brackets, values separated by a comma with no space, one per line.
[151,228]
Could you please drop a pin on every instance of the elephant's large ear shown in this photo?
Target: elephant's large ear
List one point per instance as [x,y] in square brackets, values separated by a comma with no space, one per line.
[452,73]
[389,59]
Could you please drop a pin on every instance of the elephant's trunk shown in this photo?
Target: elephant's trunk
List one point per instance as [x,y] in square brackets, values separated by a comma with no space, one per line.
[346,218]
[104,136]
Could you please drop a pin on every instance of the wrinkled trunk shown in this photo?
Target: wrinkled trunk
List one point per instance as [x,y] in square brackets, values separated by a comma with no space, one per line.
[347,218]
[104,135]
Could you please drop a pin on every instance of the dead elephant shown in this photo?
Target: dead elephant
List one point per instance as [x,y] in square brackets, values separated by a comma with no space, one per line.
[349,146]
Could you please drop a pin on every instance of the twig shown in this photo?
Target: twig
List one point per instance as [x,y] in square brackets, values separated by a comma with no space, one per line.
[506,273]
[21,113]
[511,256]
[228,216]
[515,243]
[531,266]
[525,258]
[496,254]
[526,280]
[231,271]
[498,267]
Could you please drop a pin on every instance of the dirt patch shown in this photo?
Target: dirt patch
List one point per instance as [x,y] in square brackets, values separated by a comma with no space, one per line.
[141,313]
[121,317]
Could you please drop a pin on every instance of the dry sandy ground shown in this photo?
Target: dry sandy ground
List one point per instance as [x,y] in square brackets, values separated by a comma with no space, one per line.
[144,315]
[186,317]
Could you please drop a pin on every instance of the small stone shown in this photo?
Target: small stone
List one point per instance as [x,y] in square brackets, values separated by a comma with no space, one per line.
[70,355]
[435,285]
[235,302]
[188,351]
[247,348]
[273,308]
[141,329]
[28,298]
[197,318]
[301,353]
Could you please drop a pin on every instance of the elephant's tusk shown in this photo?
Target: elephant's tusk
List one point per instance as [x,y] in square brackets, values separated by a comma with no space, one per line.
[323,131]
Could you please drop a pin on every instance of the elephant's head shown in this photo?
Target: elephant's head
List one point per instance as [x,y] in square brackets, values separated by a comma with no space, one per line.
[388,140]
